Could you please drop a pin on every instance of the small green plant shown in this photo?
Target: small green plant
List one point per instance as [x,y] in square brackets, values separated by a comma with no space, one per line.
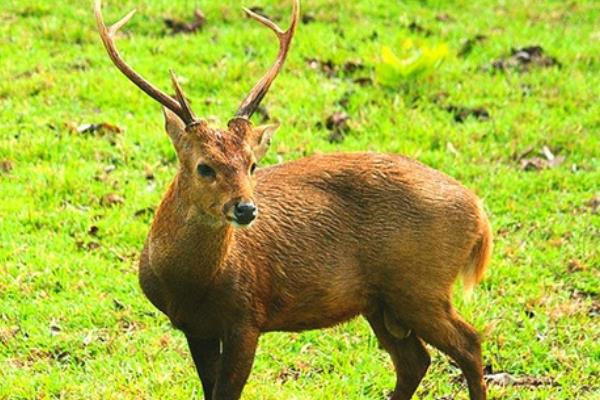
[414,61]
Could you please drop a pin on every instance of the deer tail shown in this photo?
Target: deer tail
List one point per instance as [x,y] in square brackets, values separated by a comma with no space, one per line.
[481,253]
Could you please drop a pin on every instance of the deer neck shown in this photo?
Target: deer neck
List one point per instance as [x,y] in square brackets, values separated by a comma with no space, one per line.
[186,247]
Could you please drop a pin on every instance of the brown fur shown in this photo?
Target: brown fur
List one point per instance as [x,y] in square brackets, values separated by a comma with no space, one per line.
[337,236]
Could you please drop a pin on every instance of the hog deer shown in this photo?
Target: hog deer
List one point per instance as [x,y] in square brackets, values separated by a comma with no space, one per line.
[337,236]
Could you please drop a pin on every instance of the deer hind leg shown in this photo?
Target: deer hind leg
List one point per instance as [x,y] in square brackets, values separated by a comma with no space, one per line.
[409,355]
[444,329]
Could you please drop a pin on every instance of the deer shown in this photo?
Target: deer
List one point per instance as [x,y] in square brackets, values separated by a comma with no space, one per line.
[235,251]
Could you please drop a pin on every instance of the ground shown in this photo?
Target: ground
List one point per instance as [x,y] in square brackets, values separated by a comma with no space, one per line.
[84,161]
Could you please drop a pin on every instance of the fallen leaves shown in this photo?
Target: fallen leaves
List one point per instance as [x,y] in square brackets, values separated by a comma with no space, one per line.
[444,17]
[112,199]
[308,18]
[352,66]
[505,379]
[287,374]
[594,309]
[331,69]
[363,81]
[55,329]
[103,176]
[462,113]
[469,43]
[177,26]
[593,204]
[524,59]
[93,231]
[415,27]
[89,246]
[298,370]
[148,172]
[99,129]
[576,266]
[567,309]
[7,334]
[337,123]
[6,166]
[546,160]
[102,129]
[326,67]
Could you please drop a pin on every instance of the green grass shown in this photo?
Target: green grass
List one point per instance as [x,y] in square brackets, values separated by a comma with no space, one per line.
[73,321]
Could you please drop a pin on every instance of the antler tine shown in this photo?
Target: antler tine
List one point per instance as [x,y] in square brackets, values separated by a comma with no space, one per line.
[251,102]
[185,106]
[181,107]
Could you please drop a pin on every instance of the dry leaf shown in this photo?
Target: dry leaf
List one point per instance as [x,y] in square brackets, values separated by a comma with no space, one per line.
[462,113]
[337,123]
[505,379]
[148,173]
[533,164]
[468,44]
[594,310]
[417,28]
[112,199]
[353,66]
[6,165]
[444,17]
[88,339]
[593,204]
[287,374]
[177,26]
[308,18]
[575,266]
[92,246]
[7,334]
[525,58]
[100,129]
[547,160]
[54,328]
[326,67]
[363,81]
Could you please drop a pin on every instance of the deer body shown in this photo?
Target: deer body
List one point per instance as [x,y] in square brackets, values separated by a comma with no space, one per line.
[234,252]
[363,227]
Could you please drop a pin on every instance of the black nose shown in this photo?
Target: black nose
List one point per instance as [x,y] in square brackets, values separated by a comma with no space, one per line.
[244,212]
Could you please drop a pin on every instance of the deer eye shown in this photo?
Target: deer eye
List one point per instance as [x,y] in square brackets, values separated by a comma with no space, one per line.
[206,171]
[252,168]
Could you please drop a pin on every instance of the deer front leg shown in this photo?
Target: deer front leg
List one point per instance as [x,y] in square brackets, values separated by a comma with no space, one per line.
[206,354]
[239,347]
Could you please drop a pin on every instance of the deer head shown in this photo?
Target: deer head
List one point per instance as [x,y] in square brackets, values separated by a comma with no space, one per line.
[216,165]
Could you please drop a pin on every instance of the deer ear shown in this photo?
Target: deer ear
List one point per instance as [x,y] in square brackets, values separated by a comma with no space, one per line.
[262,139]
[174,126]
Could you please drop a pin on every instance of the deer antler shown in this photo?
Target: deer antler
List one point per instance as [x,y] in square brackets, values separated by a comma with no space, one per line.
[179,106]
[251,102]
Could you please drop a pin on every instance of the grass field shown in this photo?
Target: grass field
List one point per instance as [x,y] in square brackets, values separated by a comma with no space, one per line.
[76,203]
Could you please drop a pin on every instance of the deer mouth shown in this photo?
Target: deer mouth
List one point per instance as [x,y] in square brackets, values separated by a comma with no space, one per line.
[236,223]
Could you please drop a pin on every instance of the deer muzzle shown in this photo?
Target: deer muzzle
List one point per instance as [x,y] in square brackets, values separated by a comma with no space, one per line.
[241,213]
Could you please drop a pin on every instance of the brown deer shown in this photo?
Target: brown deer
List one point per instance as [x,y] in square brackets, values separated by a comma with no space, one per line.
[338,235]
